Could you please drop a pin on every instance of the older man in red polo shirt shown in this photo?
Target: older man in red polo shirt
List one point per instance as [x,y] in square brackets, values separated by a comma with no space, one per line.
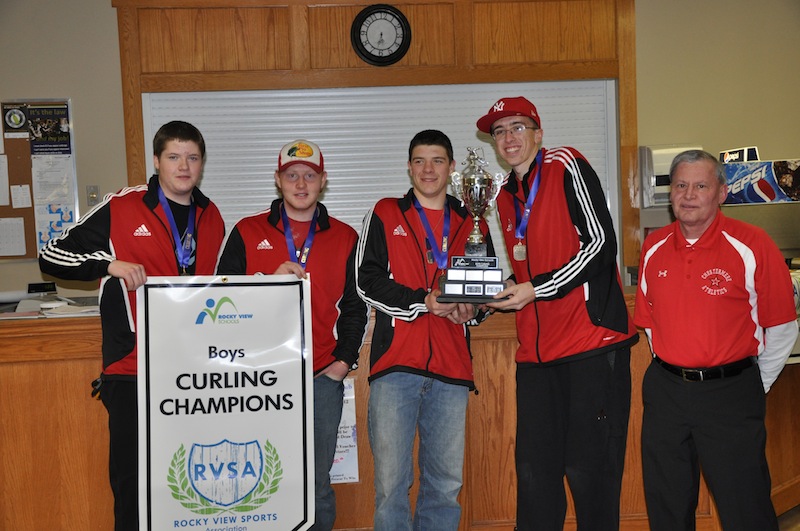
[715,298]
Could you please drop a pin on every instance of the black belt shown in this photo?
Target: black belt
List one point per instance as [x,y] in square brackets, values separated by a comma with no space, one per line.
[700,375]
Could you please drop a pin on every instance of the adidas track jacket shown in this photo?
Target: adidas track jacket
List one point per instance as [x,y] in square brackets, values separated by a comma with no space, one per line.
[579,310]
[130,226]
[393,276]
[257,245]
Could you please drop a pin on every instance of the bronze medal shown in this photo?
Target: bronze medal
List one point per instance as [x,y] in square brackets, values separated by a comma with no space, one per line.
[520,252]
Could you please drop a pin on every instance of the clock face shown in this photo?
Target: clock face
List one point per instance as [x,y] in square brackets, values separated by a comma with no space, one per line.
[380,35]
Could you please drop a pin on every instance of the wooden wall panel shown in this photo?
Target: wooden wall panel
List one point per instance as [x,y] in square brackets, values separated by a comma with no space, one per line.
[526,32]
[491,428]
[214,40]
[630,235]
[515,32]
[262,39]
[783,438]
[574,24]
[329,36]
[433,38]
[603,30]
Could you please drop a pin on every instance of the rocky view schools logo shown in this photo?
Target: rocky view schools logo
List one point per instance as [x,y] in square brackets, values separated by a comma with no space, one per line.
[225,477]
[214,311]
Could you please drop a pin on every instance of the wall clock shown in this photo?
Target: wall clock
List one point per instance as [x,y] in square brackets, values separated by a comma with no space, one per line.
[380,34]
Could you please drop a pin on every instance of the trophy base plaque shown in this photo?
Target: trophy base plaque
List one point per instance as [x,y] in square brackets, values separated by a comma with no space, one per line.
[472,279]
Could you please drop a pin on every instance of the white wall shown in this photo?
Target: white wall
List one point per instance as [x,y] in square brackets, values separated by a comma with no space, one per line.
[719,73]
[67,49]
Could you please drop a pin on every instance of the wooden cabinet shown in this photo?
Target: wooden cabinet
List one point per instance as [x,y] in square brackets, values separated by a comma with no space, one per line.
[54,438]
[53,435]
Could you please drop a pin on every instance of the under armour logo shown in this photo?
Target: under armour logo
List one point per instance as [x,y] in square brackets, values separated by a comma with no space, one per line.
[662,273]
[499,106]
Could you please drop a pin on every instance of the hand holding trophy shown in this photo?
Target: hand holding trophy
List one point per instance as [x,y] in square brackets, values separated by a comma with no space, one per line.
[475,277]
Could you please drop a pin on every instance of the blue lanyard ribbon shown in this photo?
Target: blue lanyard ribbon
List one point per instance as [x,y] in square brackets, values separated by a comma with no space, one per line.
[439,253]
[287,232]
[183,246]
[523,217]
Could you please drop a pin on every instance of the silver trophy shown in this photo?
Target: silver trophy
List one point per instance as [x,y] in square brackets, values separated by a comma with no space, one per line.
[474,277]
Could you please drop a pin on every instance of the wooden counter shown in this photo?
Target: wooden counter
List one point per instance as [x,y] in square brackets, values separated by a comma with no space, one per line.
[54,438]
[53,435]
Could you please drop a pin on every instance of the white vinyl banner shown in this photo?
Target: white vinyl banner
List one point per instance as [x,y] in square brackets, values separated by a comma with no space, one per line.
[225,400]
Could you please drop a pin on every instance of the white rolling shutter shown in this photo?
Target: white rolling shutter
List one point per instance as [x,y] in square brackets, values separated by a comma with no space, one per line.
[364,135]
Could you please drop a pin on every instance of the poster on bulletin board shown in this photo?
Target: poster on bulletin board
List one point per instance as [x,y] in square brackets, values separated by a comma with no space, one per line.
[38,181]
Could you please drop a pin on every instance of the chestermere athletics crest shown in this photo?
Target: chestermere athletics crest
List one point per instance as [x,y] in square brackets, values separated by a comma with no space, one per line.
[225,477]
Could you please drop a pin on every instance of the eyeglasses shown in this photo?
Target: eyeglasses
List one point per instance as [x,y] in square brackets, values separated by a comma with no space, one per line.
[515,130]
[293,177]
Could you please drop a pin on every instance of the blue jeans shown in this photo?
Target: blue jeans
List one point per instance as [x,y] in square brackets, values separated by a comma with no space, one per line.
[399,405]
[328,395]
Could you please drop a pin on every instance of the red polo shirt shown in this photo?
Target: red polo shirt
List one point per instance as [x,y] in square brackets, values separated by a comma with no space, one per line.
[707,303]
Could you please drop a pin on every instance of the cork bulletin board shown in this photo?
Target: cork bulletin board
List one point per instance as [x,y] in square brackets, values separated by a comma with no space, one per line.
[38,184]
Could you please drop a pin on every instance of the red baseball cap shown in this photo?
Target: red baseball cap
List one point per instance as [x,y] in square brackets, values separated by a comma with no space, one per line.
[301,152]
[518,106]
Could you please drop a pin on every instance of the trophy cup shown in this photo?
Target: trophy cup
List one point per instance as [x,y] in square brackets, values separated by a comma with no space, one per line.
[475,277]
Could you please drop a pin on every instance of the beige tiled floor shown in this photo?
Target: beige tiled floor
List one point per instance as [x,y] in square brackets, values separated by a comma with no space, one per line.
[790,521]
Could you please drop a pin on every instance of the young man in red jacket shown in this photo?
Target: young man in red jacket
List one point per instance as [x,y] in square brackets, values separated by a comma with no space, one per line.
[297,236]
[575,334]
[165,228]
[420,363]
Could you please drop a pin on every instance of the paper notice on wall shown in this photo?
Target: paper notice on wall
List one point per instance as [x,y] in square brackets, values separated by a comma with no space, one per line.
[52,219]
[5,197]
[345,462]
[53,177]
[12,237]
[21,196]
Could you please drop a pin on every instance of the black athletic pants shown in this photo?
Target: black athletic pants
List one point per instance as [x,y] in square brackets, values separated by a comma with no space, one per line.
[119,398]
[572,420]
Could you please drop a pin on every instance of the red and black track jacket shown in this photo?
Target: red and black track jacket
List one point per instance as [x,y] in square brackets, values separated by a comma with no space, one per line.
[393,276]
[257,245]
[579,310]
[130,226]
